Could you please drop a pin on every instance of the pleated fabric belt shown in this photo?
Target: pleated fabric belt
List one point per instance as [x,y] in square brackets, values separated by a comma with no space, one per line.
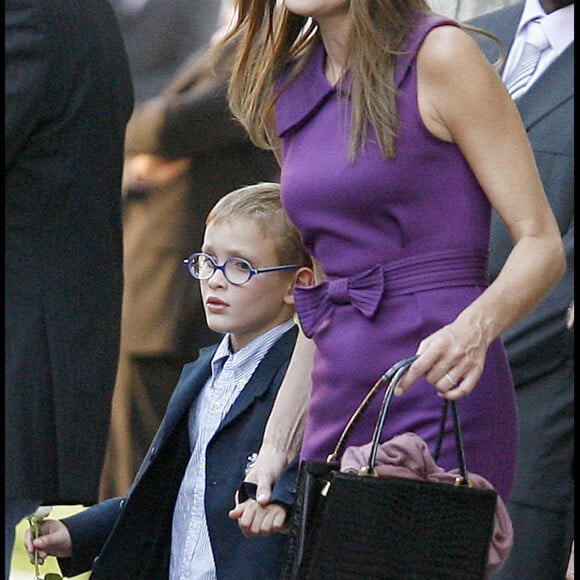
[365,290]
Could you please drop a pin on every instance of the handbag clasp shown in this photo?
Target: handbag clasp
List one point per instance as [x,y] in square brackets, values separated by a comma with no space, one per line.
[460,480]
[368,470]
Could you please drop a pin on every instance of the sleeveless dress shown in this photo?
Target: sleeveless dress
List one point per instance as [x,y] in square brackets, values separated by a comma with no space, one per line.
[404,247]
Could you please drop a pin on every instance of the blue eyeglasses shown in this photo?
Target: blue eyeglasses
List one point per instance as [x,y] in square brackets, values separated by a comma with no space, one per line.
[237,271]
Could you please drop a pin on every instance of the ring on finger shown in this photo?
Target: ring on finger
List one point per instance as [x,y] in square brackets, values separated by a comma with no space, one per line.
[451,379]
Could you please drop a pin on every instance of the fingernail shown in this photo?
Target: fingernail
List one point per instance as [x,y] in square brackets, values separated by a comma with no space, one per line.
[398,391]
[261,497]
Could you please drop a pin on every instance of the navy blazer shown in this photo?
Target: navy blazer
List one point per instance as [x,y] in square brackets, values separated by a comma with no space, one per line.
[541,342]
[130,539]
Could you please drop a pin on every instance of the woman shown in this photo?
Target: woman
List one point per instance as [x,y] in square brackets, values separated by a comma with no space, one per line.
[396,138]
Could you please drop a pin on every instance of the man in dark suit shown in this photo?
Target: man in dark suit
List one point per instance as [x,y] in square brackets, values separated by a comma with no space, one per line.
[68,97]
[176,514]
[184,151]
[541,347]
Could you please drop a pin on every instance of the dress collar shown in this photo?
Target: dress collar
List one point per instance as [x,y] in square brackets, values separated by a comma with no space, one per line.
[305,95]
[310,89]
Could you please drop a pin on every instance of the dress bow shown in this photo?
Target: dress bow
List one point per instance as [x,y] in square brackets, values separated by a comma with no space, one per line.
[315,304]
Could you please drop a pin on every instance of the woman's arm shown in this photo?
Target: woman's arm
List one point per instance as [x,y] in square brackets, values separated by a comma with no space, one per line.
[282,437]
[283,433]
[285,428]
[281,443]
[463,100]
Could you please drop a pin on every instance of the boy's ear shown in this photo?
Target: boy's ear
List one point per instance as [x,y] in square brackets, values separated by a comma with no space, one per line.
[304,277]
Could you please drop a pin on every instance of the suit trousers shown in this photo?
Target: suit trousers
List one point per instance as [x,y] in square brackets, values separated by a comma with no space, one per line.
[542,500]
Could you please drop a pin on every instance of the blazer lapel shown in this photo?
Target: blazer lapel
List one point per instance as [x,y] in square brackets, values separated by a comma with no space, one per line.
[554,87]
[191,381]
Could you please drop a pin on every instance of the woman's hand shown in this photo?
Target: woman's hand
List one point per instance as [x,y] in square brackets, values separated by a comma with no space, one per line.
[54,540]
[258,517]
[451,359]
[266,470]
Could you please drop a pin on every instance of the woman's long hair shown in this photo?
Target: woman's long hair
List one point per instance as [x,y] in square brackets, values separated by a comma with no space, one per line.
[271,38]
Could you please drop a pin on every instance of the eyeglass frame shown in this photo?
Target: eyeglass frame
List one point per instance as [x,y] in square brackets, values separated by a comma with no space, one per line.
[222,267]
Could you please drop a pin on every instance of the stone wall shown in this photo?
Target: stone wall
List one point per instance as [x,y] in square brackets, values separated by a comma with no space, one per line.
[466,9]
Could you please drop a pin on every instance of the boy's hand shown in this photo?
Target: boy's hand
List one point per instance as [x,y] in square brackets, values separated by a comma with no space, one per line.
[54,540]
[258,520]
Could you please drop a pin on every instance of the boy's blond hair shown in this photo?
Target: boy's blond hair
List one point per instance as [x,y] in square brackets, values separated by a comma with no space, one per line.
[261,203]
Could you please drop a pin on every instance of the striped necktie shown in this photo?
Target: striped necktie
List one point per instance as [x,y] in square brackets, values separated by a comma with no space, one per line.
[536,42]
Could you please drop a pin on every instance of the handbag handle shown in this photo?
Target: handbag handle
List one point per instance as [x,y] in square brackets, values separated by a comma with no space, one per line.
[391,378]
[386,378]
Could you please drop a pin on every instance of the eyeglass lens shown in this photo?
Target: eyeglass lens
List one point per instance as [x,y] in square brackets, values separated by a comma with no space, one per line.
[236,270]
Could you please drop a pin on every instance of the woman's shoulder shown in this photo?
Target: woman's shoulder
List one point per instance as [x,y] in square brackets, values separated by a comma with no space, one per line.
[446,46]
[428,28]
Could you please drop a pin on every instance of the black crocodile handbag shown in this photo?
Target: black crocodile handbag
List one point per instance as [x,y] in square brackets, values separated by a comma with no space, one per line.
[354,526]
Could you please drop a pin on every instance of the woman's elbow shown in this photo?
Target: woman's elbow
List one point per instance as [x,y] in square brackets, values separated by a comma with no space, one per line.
[558,258]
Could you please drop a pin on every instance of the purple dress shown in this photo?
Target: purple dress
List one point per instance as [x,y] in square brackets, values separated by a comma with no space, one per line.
[403,244]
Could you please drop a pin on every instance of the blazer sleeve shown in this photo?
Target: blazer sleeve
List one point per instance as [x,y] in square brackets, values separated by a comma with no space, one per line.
[285,487]
[89,530]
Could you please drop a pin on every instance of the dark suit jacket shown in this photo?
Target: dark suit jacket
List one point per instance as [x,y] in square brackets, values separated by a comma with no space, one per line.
[541,342]
[139,544]
[68,99]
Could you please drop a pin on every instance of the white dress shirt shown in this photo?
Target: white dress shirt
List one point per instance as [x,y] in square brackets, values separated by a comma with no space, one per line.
[559,28]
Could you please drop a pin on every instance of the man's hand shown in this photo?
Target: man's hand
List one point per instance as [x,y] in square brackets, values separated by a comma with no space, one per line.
[146,172]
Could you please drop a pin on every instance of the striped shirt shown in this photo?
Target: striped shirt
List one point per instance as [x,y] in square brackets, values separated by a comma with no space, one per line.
[191,554]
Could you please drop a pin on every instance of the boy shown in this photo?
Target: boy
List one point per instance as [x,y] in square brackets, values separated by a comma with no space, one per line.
[174,522]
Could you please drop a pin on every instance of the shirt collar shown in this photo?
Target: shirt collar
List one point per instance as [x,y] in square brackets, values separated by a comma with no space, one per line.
[224,351]
[532,10]
[221,354]
[558,26]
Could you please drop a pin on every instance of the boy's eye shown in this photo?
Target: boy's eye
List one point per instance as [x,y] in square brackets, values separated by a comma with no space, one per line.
[239,265]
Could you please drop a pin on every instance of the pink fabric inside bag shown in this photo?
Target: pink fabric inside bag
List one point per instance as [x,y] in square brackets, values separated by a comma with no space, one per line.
[408,456]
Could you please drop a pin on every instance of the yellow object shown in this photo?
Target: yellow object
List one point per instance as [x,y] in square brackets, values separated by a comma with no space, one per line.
[21,567]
